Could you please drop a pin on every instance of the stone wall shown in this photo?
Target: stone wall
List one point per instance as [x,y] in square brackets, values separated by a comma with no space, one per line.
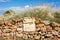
[45,30]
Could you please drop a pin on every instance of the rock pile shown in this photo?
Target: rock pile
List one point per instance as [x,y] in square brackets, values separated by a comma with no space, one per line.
[45,30]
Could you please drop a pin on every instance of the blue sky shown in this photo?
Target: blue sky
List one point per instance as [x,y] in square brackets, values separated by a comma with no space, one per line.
[21,3]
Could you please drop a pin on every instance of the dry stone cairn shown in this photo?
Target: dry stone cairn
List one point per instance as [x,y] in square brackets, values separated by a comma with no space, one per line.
[41,30]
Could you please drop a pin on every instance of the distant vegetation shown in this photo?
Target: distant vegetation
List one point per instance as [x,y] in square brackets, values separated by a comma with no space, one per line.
[36,12]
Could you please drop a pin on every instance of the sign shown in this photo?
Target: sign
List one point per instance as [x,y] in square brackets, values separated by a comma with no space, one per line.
[29,24]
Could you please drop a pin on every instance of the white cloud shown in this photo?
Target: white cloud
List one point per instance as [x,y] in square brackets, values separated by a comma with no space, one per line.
[4,0]
[27,6]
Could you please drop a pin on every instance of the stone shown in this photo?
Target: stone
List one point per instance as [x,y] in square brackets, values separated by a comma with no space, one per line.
[42,37]
[13,27]
[38,20]
[19,29]
[57,28]
[54,24]
[28,20]
[0,27]
[6,30]
[43,33]
[46,22]
[26,33]
[48,35]
[6,27]
[30,36]
[0,32]
[35,29]
[9,38]
[11,34]
[39,25]
[29,27]
[19,34]
[58,36]
[37,36]
[55,38]
[48,28]
[43,29]
[6,34]
[29,24]
[40,33]
[25,36]
[7,23]
[54,32]
[20,24]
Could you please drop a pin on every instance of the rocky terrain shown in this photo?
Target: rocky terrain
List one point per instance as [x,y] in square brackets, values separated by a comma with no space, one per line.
[45,30]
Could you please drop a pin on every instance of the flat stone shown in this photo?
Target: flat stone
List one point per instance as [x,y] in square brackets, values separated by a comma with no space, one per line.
[46,22]
[58,36]
[54,32]
[19,29]
[7,30]
[30,36]
[40,33]
[37,36]
[48,35]
[43,33]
